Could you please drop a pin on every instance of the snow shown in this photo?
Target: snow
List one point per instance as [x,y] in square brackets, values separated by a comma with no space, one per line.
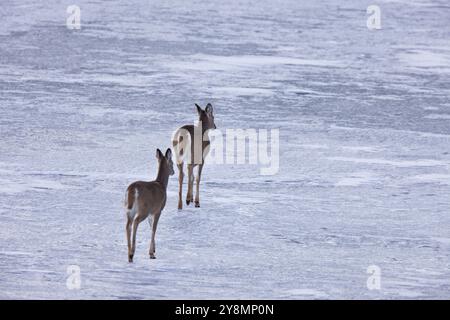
[426,59]
[227,63]
[437,116]
[364,148]
[356,179]
[399,163]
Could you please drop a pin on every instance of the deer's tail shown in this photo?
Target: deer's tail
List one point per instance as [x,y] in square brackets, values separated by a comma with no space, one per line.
[131,197]
[179,143]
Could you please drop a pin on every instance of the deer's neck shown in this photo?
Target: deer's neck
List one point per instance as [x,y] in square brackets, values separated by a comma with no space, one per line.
[205,132]
[163,176]
[203,126]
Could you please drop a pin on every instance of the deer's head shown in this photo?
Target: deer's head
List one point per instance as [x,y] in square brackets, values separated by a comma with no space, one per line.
[206,116]
[165,161]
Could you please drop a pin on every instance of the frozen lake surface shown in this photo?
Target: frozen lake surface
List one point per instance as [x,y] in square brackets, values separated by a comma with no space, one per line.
[364,120]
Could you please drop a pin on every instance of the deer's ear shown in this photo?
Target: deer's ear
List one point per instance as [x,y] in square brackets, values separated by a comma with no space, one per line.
[168,153]
[199,109]
[159,154]
[209,108]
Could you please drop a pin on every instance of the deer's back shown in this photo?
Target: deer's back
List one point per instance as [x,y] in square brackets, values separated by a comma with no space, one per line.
[151,196]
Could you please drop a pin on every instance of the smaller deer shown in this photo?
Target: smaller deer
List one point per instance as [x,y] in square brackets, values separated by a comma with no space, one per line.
[194,141]
[147,198]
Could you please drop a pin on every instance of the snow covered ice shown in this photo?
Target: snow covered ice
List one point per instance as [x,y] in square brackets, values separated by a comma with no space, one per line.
[364,120]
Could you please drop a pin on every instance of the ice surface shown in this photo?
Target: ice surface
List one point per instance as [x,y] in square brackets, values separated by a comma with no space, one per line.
[364,148]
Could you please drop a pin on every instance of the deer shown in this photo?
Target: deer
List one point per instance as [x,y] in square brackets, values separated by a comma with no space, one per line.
[195,140]
[144,199]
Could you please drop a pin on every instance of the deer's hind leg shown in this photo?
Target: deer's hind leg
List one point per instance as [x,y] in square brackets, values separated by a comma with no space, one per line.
[131,213]
[137,220]
[179,145]
[180,185]
[189,195]
[128,229]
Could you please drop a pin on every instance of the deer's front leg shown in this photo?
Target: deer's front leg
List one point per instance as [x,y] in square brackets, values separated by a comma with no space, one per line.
[197,191]
[189,196]
[152,243]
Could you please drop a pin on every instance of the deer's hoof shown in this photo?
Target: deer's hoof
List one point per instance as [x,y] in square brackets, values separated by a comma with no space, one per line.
[130,258]
[188,202]
[197,204]
[152,256]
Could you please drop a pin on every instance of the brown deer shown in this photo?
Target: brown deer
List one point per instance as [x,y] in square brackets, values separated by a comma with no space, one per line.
[183,146]
[147,198]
